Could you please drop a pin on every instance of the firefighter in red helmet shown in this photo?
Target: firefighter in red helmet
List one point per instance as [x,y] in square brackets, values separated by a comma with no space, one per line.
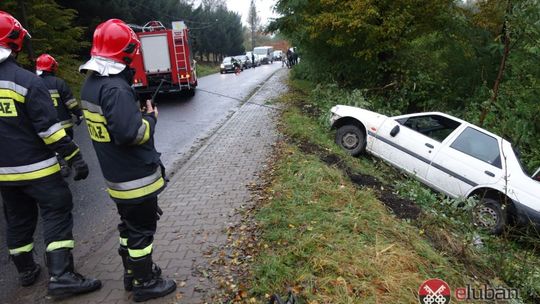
[66,105]
[123,137]
[30,181]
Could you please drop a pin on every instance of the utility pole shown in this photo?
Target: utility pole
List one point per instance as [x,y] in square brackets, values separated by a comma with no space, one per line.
[254,21]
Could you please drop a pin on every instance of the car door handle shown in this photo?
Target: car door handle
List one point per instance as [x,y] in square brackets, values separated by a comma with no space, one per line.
[429,145]
[489,173]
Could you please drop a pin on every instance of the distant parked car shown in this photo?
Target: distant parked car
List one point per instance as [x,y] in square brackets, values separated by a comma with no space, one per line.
[449,155]
[257,61]
[265,53]
[227,65]
[246,61]
[278,55]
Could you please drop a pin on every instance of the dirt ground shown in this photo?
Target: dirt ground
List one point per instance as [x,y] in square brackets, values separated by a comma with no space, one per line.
[402,208]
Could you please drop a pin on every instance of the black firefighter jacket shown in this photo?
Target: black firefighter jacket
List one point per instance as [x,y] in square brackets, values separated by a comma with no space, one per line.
[63,99]
[30,132]
[123,138]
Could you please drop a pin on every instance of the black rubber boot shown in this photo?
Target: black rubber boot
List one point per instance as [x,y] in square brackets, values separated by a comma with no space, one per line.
[128,273]
[146,285]
[27,268]
[64,280]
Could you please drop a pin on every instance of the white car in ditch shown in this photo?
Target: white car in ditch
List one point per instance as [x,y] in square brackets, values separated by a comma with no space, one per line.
[449,155]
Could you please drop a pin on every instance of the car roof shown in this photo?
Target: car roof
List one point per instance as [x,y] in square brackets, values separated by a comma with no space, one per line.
[454,118]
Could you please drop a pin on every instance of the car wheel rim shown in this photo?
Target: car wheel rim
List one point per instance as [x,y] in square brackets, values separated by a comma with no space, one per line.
[350,141]
[486,217]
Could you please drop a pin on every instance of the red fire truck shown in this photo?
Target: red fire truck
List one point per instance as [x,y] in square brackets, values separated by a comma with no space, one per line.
[165,61]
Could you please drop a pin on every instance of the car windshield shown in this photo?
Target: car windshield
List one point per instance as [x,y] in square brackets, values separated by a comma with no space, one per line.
[239,57]
[227,60]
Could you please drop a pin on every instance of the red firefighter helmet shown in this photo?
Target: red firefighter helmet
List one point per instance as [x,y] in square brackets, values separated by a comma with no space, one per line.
[11,32]
[46,62]
[113,39]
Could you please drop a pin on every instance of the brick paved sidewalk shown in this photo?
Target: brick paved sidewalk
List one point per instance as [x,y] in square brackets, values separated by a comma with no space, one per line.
[198,205]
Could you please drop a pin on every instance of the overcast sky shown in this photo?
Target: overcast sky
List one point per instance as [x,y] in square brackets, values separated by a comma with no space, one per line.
[264,9]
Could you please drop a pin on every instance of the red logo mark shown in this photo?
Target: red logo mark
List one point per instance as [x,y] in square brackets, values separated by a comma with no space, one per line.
[434,291]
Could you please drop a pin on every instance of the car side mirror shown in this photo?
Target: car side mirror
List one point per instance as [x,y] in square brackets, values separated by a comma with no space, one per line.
[394,131]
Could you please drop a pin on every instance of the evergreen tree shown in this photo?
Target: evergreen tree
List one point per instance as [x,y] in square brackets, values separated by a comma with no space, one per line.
[254,22]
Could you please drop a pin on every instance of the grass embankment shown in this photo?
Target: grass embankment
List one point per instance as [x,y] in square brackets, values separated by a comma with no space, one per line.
[330,240]
[337,244]
[207,68]
[323,234]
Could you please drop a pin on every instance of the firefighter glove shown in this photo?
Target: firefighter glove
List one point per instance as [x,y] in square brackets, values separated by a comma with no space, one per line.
[80,167]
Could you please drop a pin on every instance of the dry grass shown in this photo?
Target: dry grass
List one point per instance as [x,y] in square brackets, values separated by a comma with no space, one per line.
[337,244]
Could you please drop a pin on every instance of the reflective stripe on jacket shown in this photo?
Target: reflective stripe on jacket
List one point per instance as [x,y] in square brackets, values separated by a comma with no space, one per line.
[63,99]
[30,132]
[122,137]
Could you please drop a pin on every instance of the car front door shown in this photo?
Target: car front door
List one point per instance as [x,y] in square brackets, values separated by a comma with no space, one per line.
[411,142]
[472,159]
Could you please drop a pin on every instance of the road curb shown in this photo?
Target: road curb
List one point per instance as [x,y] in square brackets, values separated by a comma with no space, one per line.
[189,159]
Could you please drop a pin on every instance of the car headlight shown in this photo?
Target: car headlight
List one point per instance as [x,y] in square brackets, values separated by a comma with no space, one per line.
[222,66]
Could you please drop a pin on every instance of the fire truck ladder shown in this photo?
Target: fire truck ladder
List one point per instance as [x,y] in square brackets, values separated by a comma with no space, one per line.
[181,59]
[153,26]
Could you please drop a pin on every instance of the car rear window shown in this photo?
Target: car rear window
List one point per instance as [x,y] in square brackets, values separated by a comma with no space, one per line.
[478,145]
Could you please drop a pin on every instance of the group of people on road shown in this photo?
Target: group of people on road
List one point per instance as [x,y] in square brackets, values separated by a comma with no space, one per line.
[291,58]
[36,142]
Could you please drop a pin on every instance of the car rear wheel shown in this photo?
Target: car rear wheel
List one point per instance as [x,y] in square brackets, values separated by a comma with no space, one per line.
[352,139]
[490,216]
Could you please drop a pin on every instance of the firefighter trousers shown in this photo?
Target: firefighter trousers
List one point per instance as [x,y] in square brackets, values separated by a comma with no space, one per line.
[138,223]
[52,199]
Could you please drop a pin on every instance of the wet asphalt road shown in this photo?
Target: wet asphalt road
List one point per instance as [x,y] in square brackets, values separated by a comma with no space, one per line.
[183,125]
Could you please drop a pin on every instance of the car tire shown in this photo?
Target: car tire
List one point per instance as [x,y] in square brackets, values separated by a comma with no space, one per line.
[490,216]
[352,139]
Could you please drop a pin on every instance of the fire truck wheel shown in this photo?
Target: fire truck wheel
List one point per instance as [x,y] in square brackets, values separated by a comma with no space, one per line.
[191,92]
